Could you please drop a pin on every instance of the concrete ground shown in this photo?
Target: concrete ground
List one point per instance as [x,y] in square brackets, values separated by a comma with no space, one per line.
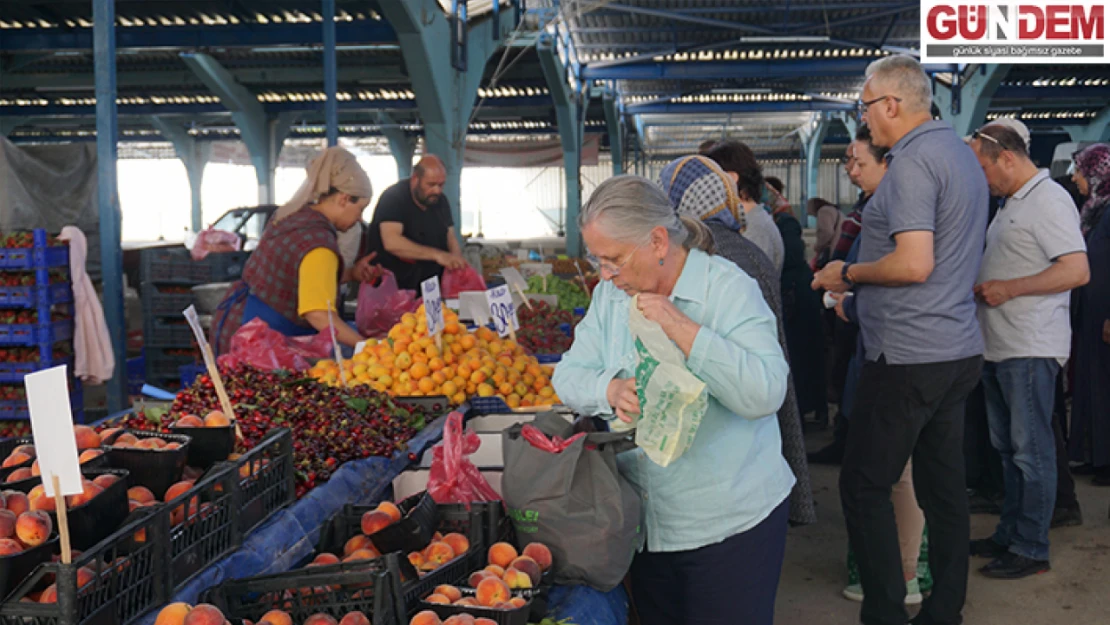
[1075,592]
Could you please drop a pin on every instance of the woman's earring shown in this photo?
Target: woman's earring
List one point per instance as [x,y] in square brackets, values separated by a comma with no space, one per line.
[660,262]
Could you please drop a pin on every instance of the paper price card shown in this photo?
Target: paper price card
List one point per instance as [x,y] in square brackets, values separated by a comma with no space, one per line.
[433,305]
[502,310]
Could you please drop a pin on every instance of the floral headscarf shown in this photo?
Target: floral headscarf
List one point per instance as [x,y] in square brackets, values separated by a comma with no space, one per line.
[1094,163]
[774,201]
[699,188]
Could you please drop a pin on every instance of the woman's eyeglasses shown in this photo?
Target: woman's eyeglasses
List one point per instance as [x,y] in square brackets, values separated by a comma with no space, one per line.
[614,270]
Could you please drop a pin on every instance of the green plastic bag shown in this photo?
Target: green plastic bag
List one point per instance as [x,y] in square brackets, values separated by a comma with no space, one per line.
[673,401]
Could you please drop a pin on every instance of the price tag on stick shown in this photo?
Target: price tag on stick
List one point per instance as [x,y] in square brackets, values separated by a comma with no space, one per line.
[210,363]
[517,283]
[433,309]
[503,311]
[52,428]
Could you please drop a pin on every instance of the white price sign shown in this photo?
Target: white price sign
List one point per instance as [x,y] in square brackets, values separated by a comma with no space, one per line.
[433,305]
[502,310]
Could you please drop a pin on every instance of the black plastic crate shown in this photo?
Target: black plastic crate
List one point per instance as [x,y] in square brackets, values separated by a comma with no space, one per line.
[164,366]
[129,579]
[226,266]
[366,586]
[265,482]
[95,520]
[519,616]
[8,445]
[209,445]
[165,301]
[17,567]
[172,266]
[156,469]
[167,332]
[204,525]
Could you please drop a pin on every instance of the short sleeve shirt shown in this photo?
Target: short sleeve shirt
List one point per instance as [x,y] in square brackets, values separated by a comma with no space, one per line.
[933,183]
[427,227]
[1036,226]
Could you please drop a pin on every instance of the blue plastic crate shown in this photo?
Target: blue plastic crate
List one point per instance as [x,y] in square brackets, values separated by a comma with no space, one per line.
[36,334]
[166,332]
[13,372]
[190,373]
[136,375]
[488,405]
[17,409]
[36,296]
[548,359]
[38,257]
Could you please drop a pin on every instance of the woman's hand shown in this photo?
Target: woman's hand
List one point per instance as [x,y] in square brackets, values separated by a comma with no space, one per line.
[623,398]
[679,328]
[364,271]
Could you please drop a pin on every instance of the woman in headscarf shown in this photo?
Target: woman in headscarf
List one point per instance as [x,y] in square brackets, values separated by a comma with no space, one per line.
[292,279]
[698,188]
[1090,420]
[801,311]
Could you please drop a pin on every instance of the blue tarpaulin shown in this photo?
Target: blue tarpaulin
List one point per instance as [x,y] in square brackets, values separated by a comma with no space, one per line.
[291,536]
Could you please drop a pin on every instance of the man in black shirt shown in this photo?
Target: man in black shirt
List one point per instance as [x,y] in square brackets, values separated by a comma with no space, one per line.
[412,230]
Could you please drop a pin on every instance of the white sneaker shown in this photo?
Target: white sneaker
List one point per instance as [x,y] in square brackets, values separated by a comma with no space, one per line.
[854,592]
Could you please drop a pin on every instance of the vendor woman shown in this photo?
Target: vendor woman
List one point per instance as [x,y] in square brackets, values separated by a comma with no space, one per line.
[292,279]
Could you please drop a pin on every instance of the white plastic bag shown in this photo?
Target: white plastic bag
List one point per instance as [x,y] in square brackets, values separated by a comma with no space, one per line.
[672,400]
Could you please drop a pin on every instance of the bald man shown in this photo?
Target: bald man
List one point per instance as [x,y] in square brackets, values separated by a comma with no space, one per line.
[412,230]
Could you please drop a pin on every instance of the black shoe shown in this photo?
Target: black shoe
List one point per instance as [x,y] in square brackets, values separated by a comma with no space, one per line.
[978,503]
[1083,469]
[987,548]
[1013,566]
[1102,477]
[1070,516]
[833,453]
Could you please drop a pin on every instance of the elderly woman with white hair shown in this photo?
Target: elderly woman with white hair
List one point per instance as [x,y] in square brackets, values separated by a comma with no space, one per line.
[715,519]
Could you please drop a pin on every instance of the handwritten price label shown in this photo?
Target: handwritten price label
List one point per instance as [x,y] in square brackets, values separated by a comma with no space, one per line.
[433,305]
[502,310]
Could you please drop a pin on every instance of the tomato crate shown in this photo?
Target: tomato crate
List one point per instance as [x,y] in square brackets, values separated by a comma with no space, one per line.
[167,301]
[127,577]
[265,480]
[38,255]
[36,296]
[367,586]
[167,332]
[172,266]
[13,372]
[17,408]
[203,524]
[162,365]
[29,335]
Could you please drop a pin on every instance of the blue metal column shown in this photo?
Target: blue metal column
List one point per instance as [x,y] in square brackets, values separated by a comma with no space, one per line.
[965,104]
[445,95]
[331,105]
[194,154]
[401,145]
[616,132]
[111,252]
[813,135]
[1096,130]
[567,108]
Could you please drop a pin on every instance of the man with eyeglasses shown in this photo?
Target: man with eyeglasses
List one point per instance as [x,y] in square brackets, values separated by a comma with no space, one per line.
[921,244]
[1035,255]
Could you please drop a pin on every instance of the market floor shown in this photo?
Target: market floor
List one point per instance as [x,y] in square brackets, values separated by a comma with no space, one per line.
[1075,592]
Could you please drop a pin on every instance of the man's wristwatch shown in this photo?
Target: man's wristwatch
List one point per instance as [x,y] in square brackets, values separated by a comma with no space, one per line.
[844,275]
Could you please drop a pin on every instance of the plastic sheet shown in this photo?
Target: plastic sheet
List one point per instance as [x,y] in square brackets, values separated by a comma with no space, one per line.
[214,241]
[453,478]
[257,344]
[456,281]
[381,307]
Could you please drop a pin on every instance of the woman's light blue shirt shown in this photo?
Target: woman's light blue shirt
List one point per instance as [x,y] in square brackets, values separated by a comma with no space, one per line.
[734,474]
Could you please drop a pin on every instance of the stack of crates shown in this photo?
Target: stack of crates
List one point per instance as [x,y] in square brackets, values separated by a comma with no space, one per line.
[36,317]
[168,277]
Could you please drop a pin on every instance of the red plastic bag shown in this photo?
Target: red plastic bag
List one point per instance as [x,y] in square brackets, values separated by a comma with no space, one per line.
[381,307]
[257,344]
[456,281]
[212,240]
[453,478]
[553,445]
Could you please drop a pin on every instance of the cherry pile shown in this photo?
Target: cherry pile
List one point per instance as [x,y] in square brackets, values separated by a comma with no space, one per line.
[15,428]
[330,426]
[539,328]
[27,317]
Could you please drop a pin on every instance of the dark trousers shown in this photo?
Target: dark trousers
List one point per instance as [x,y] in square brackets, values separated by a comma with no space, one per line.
[1065,483]
[733,582]
[984,465]
[906,411]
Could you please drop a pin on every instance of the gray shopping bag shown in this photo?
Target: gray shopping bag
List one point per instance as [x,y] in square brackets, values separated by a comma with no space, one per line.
[575,502]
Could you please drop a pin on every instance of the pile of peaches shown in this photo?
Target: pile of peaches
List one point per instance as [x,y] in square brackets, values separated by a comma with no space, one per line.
[88,444]
[207,614]
[439,552]
[214,419]
[507,571]
[21,526]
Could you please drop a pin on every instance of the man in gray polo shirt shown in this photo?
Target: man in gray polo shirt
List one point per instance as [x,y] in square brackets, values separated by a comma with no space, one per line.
[1035,256]
[921,244]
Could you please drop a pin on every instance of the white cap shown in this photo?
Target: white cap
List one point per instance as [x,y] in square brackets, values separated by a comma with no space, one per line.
[1016,126]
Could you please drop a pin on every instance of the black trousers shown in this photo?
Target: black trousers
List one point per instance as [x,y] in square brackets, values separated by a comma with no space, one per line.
[984,465]
[733,582]
[1065,483]
[906,411]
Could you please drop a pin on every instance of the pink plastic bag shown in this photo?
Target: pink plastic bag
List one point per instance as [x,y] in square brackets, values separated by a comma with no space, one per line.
[453,478]
[212,240]
[456,281]
[381,307]
[259,345]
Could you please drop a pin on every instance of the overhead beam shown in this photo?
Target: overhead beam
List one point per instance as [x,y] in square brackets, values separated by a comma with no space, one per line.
[363,74]
[401,145]
[693,108]
[199,37]
[723,70]
[966,102]
[568,105]
[1096,130]
[691,19]
[614,123]
[111,255]
[331,79]
[813,136]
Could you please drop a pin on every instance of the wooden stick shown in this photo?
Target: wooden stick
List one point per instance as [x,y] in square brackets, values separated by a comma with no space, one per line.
[520,292]
[439,342]
[512,332]
[221,392]
[63,519]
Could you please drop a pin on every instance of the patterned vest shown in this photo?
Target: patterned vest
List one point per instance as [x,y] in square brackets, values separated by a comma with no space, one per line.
[273,270]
